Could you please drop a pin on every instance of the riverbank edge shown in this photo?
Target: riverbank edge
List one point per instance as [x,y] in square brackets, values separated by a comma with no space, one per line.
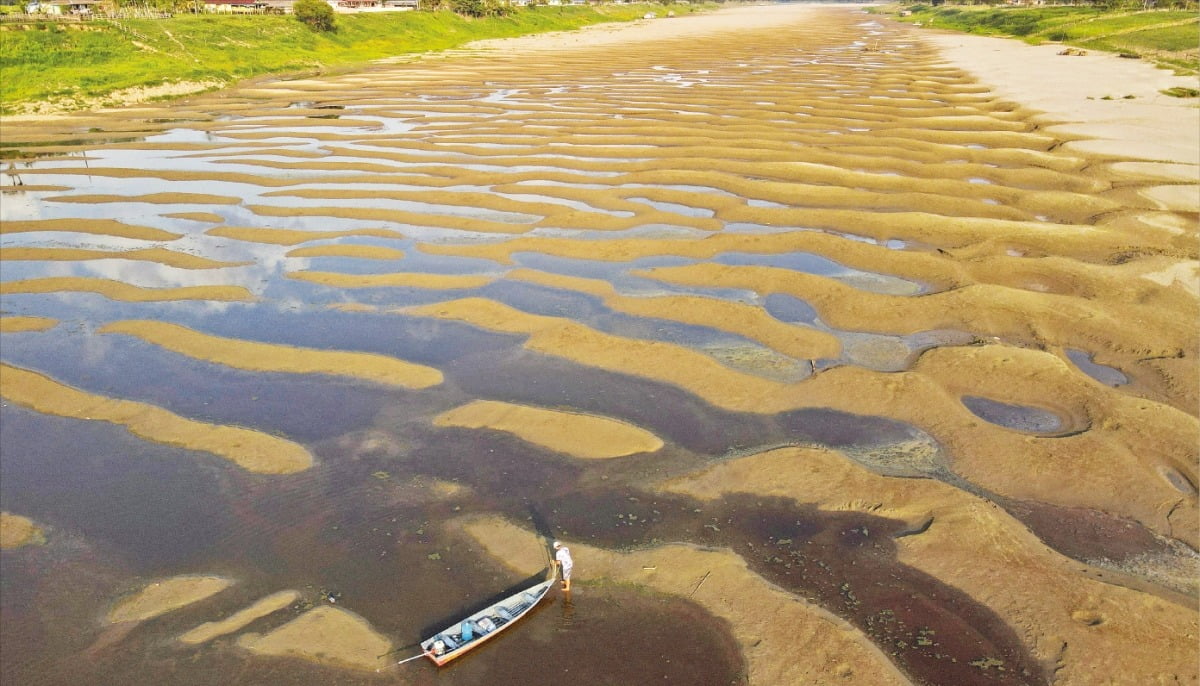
[330,60]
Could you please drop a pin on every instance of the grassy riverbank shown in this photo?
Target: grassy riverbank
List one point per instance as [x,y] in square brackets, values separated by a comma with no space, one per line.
[1167,37]
[84,64]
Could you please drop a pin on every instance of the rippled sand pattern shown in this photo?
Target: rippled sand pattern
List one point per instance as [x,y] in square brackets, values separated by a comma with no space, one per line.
[753,267]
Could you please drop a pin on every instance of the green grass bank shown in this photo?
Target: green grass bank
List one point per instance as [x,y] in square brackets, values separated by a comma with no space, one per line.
[72,65]
[1170,38]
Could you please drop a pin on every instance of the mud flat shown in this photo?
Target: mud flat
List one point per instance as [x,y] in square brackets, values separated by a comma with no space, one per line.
[810,327]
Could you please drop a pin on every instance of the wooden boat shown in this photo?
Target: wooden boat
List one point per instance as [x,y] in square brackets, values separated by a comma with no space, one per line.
[460,638]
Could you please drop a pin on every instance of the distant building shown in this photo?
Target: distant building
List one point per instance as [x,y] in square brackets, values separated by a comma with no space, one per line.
[351,6]
[231,6]
[68,6]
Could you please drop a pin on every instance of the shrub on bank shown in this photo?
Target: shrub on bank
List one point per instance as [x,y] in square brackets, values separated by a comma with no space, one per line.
[316,14]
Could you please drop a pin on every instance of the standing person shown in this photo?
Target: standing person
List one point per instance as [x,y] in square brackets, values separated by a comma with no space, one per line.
[562,557]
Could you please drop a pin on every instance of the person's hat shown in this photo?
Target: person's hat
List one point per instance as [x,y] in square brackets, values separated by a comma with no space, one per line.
[557,544]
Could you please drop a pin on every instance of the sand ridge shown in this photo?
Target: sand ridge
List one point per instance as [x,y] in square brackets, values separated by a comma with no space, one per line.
[17,531]
[269,357]
[578,435]
[13,324]
[235,622]
[119,290]
[161,597]
[252,450]
[331,635]
[159,255]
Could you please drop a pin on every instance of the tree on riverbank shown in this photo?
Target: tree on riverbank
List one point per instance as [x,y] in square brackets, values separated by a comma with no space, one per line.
[317,14]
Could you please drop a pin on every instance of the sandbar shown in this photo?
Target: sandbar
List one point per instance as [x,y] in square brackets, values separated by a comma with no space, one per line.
[742,319]
[251,450]
[362,252]
[252,234]
[571,433]
[261,608]
[13,324]
[163,256]
[271,357]
[154,198]
[208,217]
[161,597]
[330,635]
[103,227]
[119,290]
[393,280]
[17,531]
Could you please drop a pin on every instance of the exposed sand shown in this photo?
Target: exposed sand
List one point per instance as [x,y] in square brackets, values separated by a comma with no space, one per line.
[268,357]
[17,531]
[1070,91]
[106,227]
[1113,451]
[291,236]
[261,608]
[329,635]
[766,621]
[161,597]
[363,252]
[197,216]
[251,450]
[119,290]
[14,324]
[571,433]
[395,280]
[803,344]
[965,541]
[154,198]
[159,255]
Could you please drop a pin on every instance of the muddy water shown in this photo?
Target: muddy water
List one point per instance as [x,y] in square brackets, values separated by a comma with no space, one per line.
[804,171]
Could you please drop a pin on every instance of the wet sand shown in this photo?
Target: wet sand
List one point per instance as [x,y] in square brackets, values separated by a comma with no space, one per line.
[164,596]
[577,435]
[886,339]
[277,358]
[17,531]
[235,622]
[249,449]
[326,634]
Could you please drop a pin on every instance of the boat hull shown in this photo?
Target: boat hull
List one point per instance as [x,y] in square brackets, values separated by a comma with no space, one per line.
[464,636]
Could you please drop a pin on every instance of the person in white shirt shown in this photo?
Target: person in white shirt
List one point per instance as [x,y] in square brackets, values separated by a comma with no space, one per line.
[562,557]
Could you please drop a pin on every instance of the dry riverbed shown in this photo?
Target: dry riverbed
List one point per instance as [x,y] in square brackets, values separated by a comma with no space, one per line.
[869,353]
